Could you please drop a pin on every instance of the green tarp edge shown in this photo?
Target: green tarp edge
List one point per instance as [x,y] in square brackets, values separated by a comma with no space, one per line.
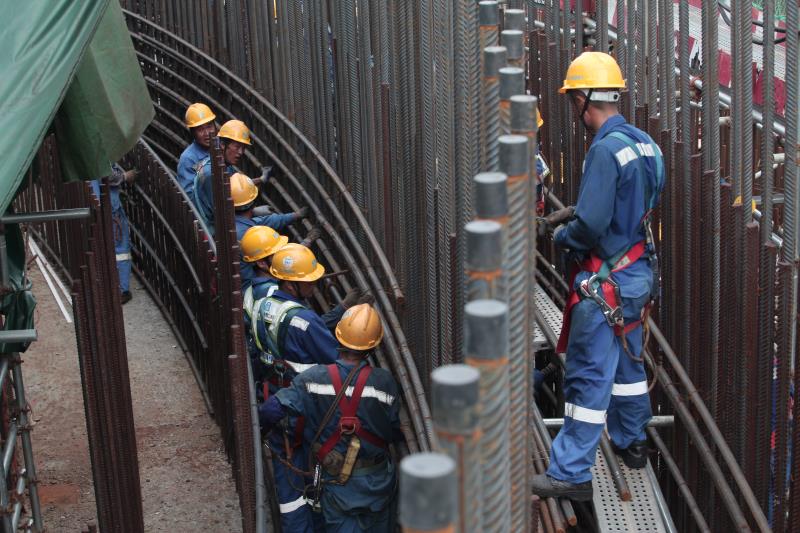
[42,42]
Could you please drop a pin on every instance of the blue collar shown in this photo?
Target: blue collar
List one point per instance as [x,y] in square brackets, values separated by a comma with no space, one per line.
[348,366]
[286,296]
[199,148]
[608,126]
[258,280]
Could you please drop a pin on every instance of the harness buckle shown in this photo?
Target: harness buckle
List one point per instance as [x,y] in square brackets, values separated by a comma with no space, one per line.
[349,425]
[613,315]
[266,358]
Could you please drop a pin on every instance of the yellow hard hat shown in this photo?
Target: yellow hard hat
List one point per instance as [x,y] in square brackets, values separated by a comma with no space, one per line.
[539,119]
[593,70]
[360,328]
[243,190]
[295,262]
[236,131]
[259,242]
[198,114]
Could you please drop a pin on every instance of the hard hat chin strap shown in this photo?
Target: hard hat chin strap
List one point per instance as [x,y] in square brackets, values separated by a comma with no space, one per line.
[586,106]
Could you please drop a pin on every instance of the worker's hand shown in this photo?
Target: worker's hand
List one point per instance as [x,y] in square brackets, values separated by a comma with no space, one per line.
[130,175]
[262,210]
[562,215]
[313,234]
[352,297]
[301,213]
[366,298]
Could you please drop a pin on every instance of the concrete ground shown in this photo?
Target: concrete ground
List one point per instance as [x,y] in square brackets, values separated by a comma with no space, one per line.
[186,479]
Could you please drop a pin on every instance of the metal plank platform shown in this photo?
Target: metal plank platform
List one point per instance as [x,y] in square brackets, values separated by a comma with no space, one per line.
[647,511]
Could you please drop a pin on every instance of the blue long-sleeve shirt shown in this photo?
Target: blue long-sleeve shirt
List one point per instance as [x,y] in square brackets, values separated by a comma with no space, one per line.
[188,166]
[203,193]
[612,199]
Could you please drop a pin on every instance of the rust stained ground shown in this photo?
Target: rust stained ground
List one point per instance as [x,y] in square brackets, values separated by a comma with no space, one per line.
[186,479]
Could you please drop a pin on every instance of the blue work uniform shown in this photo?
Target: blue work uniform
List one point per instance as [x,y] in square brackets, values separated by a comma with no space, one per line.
[276,221]
[291,338]
[203,193]
[604,384]
[121,229]
[188,165]
[257,287]
[364,502]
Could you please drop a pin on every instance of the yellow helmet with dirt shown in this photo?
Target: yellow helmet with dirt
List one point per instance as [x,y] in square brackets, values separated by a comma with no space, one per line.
[593,70]
[259,242]
[198,114]
[243,190]
[360,328]
[295,262]
[235,130]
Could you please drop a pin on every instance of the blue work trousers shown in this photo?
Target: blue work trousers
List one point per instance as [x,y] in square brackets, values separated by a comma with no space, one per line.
[122,248]
[603,385]
[364,504]
[295,513]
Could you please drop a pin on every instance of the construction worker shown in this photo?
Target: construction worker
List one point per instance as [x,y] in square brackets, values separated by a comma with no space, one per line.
[257,246]
[291,338]
[613,285]
[200,121]
[234,137]
[349,442]
[121,229]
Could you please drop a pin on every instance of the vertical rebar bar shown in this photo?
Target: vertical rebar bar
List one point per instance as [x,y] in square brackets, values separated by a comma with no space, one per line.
[486,349]
[513,41]
[484,260]
[454,402]
[512,82]
[494,58]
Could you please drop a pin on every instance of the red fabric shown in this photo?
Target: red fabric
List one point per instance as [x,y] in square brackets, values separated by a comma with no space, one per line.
[348,409]
[593,264]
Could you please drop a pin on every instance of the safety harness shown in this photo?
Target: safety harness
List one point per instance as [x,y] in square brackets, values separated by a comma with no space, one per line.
[600,287]
[276,315]
[349,424]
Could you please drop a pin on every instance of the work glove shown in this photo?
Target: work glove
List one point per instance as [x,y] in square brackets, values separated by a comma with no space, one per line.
[313,234]
[262,210]
[301,213]
[130,175]
[366,298]
[352,297]
[548,224]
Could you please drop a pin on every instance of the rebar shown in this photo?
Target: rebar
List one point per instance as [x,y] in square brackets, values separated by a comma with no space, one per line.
[486,349]
[512,82]
[494,58]
[454,402]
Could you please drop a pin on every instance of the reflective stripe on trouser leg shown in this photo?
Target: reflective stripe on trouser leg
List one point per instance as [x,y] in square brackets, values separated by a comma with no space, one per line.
[592,355]
[295,513]
[629,409]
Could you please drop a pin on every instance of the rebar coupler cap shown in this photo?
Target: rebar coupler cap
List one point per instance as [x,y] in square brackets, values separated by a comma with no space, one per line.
[514,19]
[512,39]
[514,155]
[455,397]
[523,113]
[494,58]
[486,329]
[490,195]
[512,82]
[428,491]
[488,13]
[484,245]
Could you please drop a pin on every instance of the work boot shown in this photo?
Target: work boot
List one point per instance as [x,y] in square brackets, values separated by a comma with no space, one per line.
[635,455]
[126,297]
[547,487]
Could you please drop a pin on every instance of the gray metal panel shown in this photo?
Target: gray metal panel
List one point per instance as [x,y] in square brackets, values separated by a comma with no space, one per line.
[641,514]
[539,340]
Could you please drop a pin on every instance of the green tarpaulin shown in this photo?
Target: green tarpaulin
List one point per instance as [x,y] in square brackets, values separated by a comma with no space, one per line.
[78,53]
[68,66]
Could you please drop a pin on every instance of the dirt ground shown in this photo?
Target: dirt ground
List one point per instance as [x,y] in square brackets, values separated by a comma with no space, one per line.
[186,479]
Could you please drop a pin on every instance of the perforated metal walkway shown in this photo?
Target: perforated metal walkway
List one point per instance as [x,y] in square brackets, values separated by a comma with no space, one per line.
[646,511]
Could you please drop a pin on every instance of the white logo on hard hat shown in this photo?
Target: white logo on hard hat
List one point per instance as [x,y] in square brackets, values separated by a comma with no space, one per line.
[288,263]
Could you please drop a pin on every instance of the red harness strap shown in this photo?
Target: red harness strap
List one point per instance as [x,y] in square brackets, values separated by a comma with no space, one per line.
[349,424]
[593,264]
